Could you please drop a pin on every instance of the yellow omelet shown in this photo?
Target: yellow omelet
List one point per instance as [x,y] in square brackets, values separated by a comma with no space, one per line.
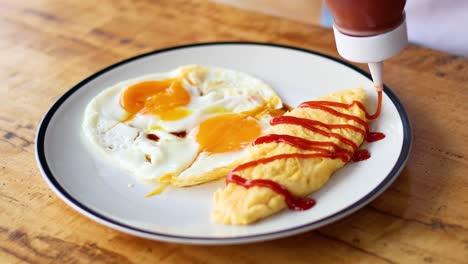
[235,204]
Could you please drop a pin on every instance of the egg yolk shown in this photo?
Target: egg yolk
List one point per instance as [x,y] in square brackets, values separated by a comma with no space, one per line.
[164,98]
[224,133]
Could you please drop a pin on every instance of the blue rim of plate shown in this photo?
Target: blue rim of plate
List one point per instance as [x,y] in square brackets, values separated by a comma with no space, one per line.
[73,202]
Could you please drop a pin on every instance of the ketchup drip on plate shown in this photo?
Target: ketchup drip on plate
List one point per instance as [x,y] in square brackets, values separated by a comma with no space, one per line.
[374,136]
[321,148]
[361,155]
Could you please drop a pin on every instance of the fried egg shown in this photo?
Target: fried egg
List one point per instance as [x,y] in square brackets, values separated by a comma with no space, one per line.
[187,126]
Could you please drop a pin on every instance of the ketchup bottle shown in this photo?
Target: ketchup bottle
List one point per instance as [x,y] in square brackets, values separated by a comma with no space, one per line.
[369,31]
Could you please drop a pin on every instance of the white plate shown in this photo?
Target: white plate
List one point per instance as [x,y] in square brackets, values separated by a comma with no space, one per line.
[101,192]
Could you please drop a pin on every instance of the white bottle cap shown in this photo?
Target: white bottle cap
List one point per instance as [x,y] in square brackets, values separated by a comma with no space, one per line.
[373,48]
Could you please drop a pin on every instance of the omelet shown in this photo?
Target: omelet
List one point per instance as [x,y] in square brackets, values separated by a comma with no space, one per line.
[238,205]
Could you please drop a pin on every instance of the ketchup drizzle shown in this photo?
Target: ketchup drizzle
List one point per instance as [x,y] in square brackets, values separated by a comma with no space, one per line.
[321,106]
[310,125]
[305,144]
[321,147]
[293,202]
[353,103]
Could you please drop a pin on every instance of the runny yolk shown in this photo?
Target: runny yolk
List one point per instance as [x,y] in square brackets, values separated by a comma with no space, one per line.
[164,98]
[224,133]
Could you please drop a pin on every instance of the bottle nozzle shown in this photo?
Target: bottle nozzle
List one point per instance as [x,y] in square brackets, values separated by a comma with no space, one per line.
[376,70]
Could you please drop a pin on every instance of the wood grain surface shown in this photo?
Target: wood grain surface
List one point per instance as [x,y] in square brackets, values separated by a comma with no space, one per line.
[47,46]
[305,11]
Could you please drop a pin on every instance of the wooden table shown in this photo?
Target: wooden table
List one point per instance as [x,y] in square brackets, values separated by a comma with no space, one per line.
[48,46]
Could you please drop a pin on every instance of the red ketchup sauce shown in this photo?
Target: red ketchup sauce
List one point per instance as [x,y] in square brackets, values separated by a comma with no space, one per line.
[361,155]
[366,17]
[321,148]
